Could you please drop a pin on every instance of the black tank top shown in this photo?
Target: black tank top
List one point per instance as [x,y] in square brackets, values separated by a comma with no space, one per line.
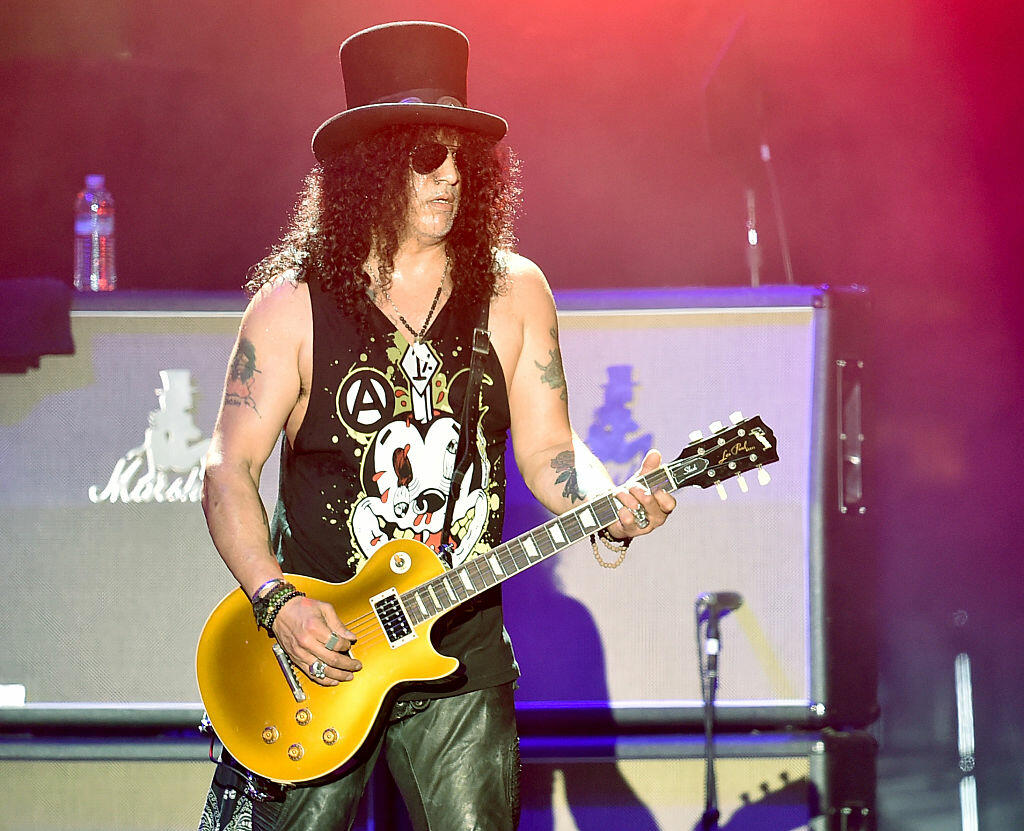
[373,458]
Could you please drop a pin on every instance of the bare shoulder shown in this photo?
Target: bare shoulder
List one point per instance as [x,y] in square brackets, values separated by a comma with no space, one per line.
[524,326]
[280,309]
[526,288]
[273,353]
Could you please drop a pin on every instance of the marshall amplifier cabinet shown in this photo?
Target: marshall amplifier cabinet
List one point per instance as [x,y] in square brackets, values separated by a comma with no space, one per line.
[617,647]
[107,563]
[110,572]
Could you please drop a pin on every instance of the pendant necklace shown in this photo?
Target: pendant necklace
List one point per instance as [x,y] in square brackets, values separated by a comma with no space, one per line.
[418,336]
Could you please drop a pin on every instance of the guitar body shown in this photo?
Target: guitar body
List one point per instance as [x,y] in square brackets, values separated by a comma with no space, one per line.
[250,702]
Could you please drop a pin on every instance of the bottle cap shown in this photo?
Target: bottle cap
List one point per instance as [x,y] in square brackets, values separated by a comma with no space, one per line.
[95,180]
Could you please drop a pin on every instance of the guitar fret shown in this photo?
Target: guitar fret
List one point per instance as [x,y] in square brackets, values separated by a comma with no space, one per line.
[481,575]
[472,577]
[466,582]
[508,560]
[586,518]
[486,574]
[572,526]
[433,604]
[531,549]
[555,530]
[454,590]
[438,605]
[519,559]
[549,545]
[446,593]
[658,479]
[607,510]
[544,542]
[458,589]
[418,597]
[492,561]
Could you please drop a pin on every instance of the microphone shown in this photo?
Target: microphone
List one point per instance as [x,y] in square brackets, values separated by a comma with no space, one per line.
[717,604]
[710,608]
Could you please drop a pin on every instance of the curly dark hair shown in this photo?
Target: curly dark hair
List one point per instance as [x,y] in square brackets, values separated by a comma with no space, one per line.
[361,197]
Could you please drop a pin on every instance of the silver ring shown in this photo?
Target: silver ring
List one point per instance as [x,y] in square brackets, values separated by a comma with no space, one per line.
[318,669]
[640,516]
[333,641]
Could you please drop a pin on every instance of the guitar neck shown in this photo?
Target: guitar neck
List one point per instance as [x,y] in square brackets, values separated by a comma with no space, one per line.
[466,581]
[747,445]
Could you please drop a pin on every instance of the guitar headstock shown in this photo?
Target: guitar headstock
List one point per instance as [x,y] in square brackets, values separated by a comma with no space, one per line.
[746,444]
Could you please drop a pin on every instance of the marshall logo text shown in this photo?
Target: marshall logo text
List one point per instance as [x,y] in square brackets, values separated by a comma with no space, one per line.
[170,463]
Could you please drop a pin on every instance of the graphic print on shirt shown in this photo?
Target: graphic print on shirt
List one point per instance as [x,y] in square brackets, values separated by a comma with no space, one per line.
[403,422]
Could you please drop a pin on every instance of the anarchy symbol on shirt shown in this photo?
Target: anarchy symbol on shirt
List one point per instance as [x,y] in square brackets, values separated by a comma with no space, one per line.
[365,401]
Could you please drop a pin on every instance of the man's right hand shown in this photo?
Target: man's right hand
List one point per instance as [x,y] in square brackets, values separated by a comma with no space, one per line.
[304,627]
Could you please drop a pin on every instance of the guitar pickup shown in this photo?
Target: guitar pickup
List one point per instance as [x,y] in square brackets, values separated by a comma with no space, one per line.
[393,619]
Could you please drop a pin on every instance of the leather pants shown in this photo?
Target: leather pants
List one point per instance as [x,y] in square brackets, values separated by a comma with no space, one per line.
[455,761]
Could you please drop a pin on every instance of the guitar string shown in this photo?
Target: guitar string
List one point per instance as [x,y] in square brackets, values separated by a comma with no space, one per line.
[367,629]
[366,624]
[504,558]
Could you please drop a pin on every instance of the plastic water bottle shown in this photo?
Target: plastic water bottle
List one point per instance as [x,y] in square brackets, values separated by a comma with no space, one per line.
[94,236]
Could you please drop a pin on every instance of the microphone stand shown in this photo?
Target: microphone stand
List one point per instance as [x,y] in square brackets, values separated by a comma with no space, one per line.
[709,686]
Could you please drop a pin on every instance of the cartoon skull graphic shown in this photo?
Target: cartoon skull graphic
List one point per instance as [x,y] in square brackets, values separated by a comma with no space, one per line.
[408,476]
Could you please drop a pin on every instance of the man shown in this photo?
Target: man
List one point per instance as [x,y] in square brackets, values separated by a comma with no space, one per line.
[358,344]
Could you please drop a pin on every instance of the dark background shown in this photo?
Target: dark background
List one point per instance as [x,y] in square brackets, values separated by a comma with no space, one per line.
[896,136]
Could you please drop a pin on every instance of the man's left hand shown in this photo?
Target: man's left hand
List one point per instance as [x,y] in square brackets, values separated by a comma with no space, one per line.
[641,511]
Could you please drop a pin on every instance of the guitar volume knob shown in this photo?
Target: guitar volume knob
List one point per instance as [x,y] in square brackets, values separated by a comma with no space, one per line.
[295,752]
[303,716]
[270,734]
[330,736]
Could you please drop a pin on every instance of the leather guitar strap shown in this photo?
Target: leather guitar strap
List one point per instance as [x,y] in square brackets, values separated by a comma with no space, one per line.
[468,431]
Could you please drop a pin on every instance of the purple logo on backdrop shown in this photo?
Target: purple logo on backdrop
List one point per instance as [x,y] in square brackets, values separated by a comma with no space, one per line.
[611,435]
[169,464]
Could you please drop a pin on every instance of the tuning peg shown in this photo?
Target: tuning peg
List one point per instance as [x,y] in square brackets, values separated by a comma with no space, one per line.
[742,483]
[762,476]
[736,417]
[716,427]
[696,435]
[721,491]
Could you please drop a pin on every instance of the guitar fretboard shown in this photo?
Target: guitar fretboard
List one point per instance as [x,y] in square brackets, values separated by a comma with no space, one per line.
[466,581]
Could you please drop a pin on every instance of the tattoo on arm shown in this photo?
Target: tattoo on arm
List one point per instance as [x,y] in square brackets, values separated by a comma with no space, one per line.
[553,374]
[564,465]
[241,376]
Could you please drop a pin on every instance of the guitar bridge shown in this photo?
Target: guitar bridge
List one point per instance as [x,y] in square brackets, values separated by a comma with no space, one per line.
[392,617]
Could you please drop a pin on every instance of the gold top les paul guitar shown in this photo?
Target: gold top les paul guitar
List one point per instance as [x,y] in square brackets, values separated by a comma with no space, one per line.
[288,729]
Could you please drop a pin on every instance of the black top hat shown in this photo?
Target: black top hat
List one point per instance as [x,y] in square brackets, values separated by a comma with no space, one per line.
[409,72]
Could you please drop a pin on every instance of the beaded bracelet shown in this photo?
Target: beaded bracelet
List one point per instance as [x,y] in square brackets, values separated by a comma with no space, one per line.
[265,608]
[618,546]
[260,604]
[276,606]
[273,599]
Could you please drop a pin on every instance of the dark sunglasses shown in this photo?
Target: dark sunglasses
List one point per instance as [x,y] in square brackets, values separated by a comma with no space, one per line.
[429,156]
